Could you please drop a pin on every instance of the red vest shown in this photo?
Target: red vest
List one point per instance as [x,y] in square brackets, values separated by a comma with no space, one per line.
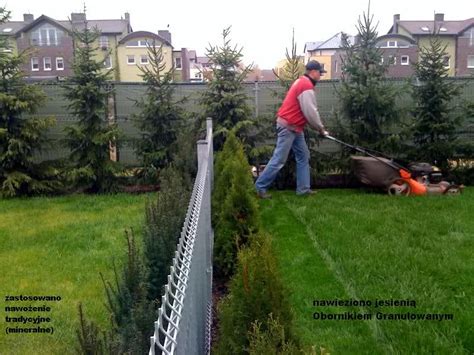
[290,109]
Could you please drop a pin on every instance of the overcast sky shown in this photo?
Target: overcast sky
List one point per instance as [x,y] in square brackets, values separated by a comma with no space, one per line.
[262,28]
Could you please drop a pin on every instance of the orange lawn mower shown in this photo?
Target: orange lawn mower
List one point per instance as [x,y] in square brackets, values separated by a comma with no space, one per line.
[383,172]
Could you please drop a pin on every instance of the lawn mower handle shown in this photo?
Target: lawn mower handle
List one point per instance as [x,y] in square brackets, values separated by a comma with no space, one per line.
[359,149]
[363,151]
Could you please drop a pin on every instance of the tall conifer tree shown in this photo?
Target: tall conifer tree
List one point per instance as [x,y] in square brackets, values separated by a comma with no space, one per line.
[435,120]
[87,91]
[160,117]
[225,100]
[21,136]
[368,101]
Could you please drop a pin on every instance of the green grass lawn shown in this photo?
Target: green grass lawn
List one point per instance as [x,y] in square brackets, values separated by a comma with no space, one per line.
[351,245]
[57,247]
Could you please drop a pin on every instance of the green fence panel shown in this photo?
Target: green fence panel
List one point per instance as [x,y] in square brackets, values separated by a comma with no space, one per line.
[262,98]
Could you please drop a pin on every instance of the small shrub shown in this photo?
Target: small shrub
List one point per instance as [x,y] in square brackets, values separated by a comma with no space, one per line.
[464,175]
[256,291]
[163,222]
[92,340]
[132,313]
[222,174]
[185,156]
[273,340]
[238,216]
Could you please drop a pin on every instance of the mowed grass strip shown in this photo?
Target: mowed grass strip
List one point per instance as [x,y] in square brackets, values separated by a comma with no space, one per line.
[356,245]
[57,247]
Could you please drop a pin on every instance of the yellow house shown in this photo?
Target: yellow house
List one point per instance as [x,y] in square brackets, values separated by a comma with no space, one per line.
[280,67]
[449,43]
[325,59]
[328,53]
[132,53]
[107,52]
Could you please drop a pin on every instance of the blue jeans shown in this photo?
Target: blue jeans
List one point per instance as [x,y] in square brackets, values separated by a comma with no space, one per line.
[287,140]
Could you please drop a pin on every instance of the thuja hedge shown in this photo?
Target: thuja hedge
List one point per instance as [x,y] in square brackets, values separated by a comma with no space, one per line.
[255,316]
[256,295]
[235,215]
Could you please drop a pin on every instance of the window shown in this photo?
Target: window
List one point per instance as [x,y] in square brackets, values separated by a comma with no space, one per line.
[403,44]
[45,36]
[7,48]
[391,43]
[34,64]
[177,63]
[108,62]
[392,60]
[59,63]
[470,61]
[52,37]
[405,60]
[104,42]
[143,59]
[335,66]
[130,59]
[35,38]
[47,63]
[138,43]
[446,62]
[132,44]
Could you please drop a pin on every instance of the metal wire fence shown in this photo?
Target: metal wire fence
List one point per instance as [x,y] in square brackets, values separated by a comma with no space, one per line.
[184,318]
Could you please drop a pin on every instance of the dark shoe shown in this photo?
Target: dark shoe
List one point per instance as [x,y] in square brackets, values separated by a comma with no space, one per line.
[308,193]
[264,195]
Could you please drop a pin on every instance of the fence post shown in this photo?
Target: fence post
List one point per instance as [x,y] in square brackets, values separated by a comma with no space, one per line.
[201,152]
[209,131]
[111,120]
[256,90]
[210,238]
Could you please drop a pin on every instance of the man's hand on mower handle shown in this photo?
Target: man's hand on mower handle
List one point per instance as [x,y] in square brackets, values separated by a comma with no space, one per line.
[324,133]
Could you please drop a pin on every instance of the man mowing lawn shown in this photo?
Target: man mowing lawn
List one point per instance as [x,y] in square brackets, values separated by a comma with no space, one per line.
[298,109]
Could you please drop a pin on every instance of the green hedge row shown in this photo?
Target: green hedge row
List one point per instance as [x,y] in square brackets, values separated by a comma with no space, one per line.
[255,316]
